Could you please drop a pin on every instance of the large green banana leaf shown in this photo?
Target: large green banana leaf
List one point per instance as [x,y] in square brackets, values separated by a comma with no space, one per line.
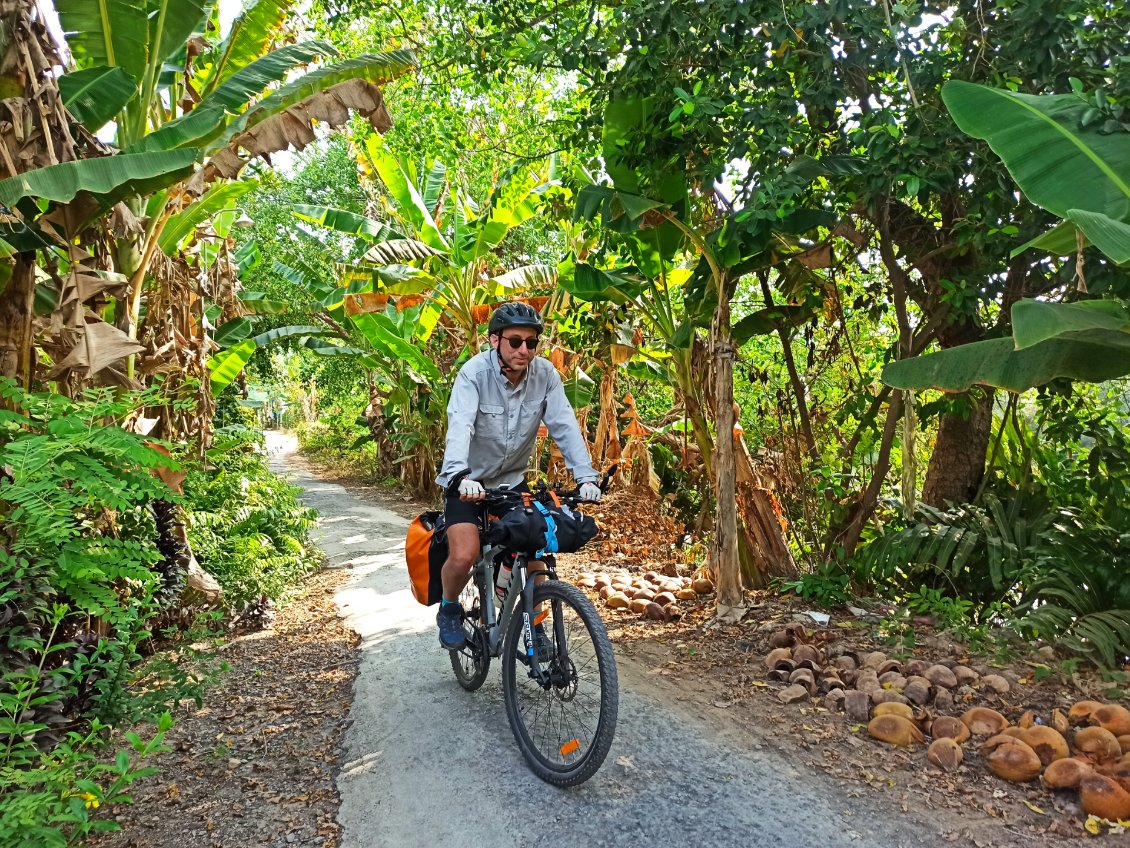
[1092,356]
[1057,164]
[211,116]
[410,205]
[171,22]
[1111,237]
[225,365]
[344,221]
[181,225]
[255,29]
[1035,321]
[110,33]
[595,285]
[381,333]
[96,95]
[126,173]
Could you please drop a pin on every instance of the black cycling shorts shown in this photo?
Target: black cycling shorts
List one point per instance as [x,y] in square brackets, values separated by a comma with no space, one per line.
[456,511]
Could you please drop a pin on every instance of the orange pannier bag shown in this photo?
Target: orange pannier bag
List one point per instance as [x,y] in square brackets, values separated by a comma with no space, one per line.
[425,551]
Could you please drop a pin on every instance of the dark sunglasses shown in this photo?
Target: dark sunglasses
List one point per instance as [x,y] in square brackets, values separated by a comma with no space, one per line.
[517,341]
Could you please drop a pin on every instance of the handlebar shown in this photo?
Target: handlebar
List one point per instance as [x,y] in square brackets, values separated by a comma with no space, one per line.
[504,494]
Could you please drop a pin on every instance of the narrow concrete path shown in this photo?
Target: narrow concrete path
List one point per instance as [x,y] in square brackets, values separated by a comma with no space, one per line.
[430,765]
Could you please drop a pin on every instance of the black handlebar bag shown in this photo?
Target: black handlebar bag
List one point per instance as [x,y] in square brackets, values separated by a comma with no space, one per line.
[538,529]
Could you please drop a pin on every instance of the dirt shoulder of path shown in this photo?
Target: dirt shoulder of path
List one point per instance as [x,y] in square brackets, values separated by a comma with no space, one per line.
[256,764]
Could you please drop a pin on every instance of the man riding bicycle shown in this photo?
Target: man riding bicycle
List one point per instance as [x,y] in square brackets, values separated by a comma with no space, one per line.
[499,399]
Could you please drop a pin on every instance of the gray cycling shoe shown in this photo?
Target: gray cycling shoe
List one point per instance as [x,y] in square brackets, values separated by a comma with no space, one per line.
[450,621]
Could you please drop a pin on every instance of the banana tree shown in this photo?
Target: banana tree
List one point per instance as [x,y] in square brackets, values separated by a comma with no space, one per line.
[438,243]
[185,113]
[1069,155]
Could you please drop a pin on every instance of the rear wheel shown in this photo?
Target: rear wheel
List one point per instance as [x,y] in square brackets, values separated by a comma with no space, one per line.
[564,725]
[471,662]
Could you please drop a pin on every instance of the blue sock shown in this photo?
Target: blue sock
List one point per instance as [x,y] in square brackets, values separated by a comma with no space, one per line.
[444,601]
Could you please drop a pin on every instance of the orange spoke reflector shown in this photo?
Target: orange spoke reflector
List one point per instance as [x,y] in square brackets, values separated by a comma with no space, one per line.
[570,746]
[540,617]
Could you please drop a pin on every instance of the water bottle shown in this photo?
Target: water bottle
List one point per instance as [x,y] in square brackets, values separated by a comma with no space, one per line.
[502,582]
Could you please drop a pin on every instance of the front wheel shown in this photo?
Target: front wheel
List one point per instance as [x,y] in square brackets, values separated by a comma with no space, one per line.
[565,724]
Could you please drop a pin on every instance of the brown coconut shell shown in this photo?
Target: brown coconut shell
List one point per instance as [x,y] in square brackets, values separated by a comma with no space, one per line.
[893,708]
[1098,745]
[1010,759]
[895,730]
[945,753]
[672,612]
[1066,773]
[776,655]
[664,598]
[1026,720]
[1081,712]
[686,595]
[1047,742]
[1112,717]
[606,591]
[939,675]
[617,600]
[703,585]
[642,595]
[1060,722]
[1102,796]
[638,605]
[1124,743]
[654,611]
[983,721]
[948,727]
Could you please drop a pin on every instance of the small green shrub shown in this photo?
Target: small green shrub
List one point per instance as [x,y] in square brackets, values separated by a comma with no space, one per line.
[245,524]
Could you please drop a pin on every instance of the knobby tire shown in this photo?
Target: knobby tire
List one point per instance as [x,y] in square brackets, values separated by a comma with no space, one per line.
[541,719]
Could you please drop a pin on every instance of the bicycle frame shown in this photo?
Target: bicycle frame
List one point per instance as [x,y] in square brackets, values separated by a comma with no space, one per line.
[520,590]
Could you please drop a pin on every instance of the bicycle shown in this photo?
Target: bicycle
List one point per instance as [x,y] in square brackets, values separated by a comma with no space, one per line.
[564,651]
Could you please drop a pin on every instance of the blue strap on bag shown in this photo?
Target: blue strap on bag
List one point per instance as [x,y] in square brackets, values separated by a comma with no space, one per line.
[550,531]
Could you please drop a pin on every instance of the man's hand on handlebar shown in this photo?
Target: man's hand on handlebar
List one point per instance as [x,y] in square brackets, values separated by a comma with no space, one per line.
[471,490]
[589,492]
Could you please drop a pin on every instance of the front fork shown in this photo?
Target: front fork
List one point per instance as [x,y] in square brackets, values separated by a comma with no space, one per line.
[528,584]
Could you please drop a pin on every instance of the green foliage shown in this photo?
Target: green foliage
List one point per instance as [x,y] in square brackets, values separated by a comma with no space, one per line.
[54,803]
[968,551]
[78,547]
[246,525]
[828,585]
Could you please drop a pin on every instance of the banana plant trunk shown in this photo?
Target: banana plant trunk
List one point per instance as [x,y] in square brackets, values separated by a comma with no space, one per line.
[16,313]
[724,556]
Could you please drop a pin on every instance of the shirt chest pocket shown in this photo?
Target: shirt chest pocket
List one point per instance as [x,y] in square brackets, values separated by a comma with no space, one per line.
[491,421]
[529,417]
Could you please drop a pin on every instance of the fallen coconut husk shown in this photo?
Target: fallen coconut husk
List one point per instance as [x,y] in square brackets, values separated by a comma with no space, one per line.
[983,721]
[1066,773]
[1081,712]
[1011,759]
[948,727]
[1047,742]
[1102,796]
[895,730]
[945,753]
[1112,717]
[1098,744]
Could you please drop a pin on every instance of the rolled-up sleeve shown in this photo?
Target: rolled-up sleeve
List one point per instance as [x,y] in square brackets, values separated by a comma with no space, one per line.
[462,407]
[561,422]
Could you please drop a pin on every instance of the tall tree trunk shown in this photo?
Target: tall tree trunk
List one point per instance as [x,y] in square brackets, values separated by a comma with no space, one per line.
[727,566]
[958,461]
[16,302]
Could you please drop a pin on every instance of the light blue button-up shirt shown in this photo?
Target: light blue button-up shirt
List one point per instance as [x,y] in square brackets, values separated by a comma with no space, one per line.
[492,425]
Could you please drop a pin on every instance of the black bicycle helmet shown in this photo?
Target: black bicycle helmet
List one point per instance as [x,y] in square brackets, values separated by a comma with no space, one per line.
[514,314]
